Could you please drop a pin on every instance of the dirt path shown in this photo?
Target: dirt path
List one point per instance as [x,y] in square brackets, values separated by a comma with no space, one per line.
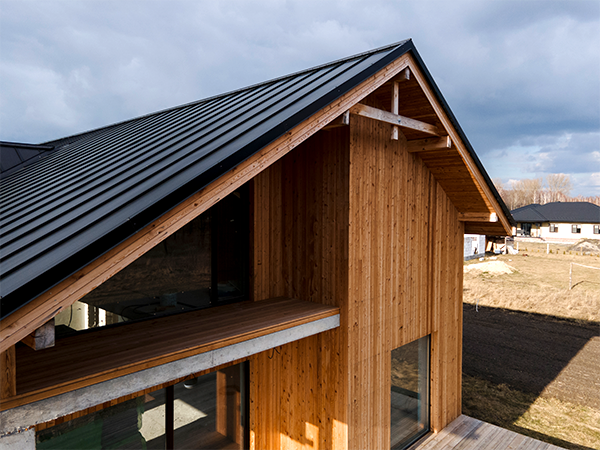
[533,353]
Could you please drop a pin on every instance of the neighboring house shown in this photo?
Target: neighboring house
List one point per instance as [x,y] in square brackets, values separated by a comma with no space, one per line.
[474,246]
[566,221]
[275,267]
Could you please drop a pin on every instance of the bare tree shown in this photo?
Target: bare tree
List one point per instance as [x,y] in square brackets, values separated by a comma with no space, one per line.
[559,187]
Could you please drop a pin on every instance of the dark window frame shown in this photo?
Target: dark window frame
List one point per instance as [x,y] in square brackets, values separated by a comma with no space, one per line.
[575,229]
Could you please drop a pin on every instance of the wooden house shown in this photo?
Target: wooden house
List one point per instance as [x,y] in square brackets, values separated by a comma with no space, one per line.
[275,267]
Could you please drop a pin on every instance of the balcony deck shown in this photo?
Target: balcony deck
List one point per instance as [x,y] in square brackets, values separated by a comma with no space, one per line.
[466,433]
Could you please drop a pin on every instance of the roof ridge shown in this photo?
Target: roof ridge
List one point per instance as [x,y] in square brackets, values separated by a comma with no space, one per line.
[232,92]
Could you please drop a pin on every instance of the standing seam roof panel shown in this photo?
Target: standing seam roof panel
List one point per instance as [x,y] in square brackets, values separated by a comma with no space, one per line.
[154,193]
[116,180]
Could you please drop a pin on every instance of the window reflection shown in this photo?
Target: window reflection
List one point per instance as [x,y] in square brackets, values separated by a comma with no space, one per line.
[203,264]
[204,413]
[410,393]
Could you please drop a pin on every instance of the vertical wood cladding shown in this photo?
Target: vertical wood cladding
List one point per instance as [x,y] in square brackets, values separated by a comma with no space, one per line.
[349,218]
[301,250]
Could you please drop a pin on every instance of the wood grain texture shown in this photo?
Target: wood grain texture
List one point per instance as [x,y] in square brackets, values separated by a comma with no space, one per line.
[351,218]
[8,374]
[301,221]
[101,355]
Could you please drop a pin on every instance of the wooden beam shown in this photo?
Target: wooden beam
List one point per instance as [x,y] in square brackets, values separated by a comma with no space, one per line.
[340,121]
[394,119]
[464,153]
[428,144]
[8,374]
[404,75]
[41,338]
[478,217]
[107,353]
[395,100]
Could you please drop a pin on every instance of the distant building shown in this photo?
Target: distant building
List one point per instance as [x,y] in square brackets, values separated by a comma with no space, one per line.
[474,246]
[565,221]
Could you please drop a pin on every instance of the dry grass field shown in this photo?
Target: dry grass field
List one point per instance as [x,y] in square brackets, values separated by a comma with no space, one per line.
[536,282]
[539,282]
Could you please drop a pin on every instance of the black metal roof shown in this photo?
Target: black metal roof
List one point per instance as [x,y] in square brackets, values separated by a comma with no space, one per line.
[98,188]
[15,156]
[569,212]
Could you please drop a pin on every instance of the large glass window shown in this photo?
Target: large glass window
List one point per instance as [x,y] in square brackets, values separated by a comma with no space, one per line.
[208,412]
[203,264]
[410,393]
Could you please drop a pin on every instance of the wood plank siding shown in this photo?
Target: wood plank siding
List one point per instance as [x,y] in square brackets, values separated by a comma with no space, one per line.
[351,219]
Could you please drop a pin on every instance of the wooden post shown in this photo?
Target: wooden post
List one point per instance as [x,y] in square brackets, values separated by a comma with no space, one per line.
[395,100]
[228,404]
[570,276]
[8,373]
[547,248]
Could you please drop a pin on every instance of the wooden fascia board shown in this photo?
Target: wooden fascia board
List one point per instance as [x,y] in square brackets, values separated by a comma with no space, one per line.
[460,146]
[40,310]
[395,119]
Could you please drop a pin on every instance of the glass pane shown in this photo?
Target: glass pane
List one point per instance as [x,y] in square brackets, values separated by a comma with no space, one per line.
[202,264]
[410,393]
[208,413]
[231,242]
[133,424]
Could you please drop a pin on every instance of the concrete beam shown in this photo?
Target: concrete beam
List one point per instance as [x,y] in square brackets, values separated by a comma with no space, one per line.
[52,408]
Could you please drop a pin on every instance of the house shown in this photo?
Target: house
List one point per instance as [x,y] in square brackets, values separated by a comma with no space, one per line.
[275,267]
[558,221]
[474,246]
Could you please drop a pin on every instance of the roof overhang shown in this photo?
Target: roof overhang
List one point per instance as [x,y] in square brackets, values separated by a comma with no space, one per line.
[434,135]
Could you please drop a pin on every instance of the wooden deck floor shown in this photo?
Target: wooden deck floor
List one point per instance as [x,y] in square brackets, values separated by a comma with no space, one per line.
[466,433]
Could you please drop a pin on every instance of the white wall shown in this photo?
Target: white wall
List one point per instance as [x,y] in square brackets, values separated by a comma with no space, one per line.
[564,231]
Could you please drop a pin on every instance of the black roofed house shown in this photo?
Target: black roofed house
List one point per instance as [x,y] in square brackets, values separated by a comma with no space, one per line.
[275,267]
[558,221]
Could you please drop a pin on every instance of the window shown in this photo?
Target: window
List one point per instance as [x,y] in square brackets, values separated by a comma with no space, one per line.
[208,412]
[410,393]
[203,264]
[596,229]
[575,228]
[553,228]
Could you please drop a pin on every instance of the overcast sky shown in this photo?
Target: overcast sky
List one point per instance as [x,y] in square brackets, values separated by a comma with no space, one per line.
[522,77]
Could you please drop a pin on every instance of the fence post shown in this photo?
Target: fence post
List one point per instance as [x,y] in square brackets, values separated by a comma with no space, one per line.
[570,276]
[547,248]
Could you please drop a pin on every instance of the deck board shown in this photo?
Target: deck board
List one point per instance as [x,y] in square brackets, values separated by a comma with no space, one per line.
[97,356]
[466,433]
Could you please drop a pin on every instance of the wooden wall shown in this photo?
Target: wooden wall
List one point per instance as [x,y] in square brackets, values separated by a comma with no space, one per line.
[350,218]
[301,250]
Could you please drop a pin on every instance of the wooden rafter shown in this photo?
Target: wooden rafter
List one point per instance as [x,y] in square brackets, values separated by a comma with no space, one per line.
[429,144]
[394,119]
[43,337]
[478,217]
[340,121]
[476,175]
